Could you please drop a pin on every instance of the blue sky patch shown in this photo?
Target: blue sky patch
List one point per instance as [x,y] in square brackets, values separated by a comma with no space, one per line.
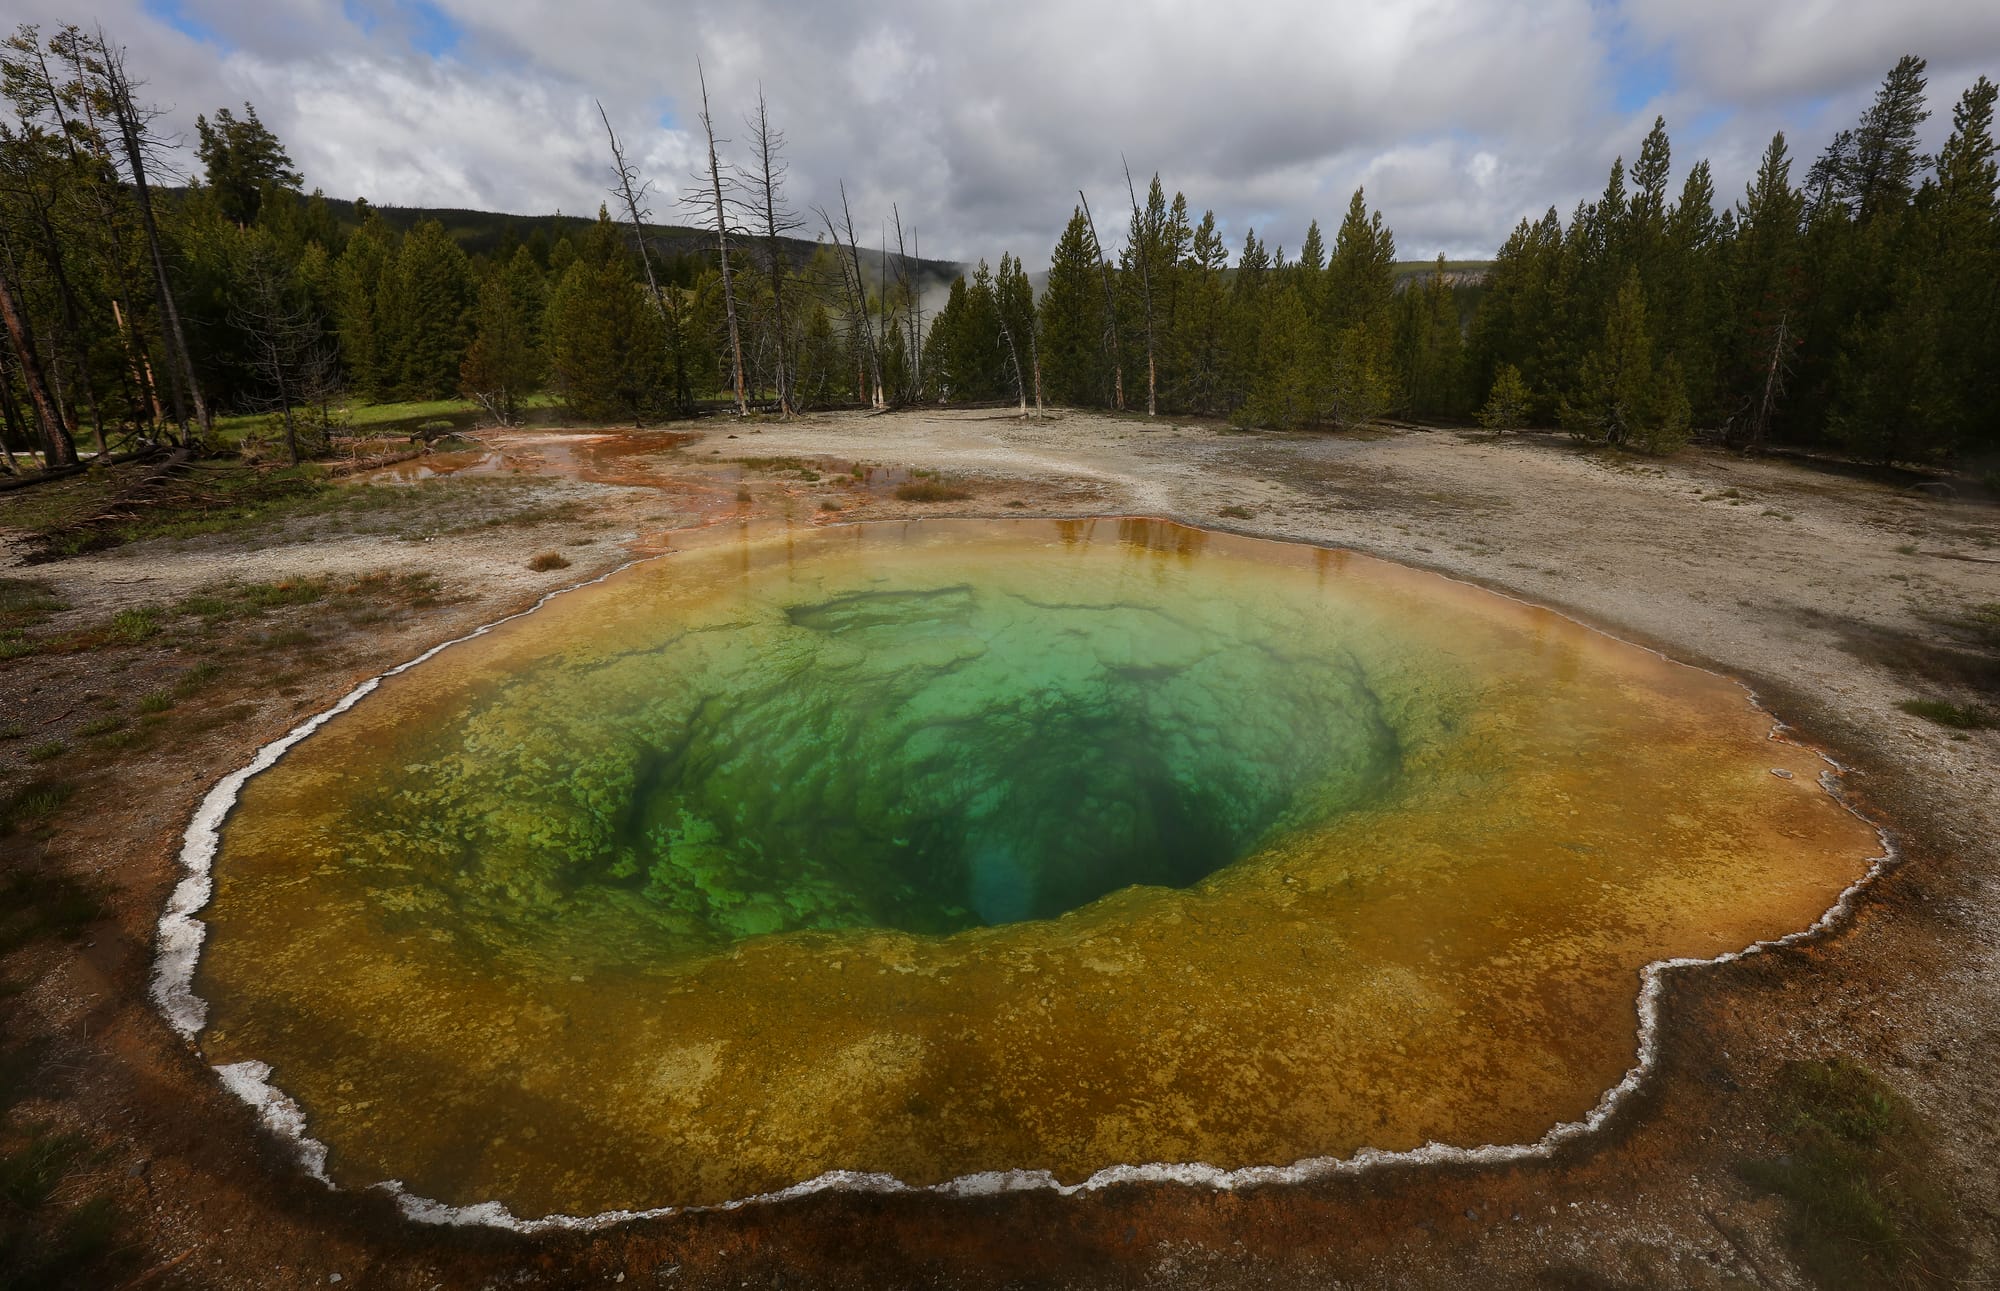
[431,29]
[176,14]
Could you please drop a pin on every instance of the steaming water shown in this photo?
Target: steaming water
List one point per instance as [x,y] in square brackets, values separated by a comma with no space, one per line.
[948,847]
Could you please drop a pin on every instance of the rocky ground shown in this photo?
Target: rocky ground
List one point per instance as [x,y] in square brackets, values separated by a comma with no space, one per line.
[1839,595]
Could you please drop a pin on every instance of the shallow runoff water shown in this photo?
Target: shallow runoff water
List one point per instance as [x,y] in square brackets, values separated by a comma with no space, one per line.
[946,847]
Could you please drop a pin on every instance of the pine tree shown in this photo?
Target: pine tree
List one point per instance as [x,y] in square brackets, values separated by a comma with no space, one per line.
[428,299]
[1430,346]
[1290,361]
[1768,293]
[504,362]
[1361,277]
[1072,321]
[1623,398]
[358,280]
[604,345]
[1250,294]
[1688,286]
[1201,322]
[1959,240]
[1506,404]
[1881,173]
[244,161]
[1358,322]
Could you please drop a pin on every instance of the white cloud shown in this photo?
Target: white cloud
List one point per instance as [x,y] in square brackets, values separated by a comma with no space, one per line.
[980,121]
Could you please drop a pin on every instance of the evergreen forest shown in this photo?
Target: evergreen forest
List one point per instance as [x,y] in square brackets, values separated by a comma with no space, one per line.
[1847,302]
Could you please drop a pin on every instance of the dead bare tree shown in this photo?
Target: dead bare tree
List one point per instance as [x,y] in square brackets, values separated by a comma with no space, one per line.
[283,334]
[133,132]
[913,329]
[1775,373]
[1116,351]
[1142,251]
[69,341]
[11,423]
[855,285]
[630,190]
[720,213]
[75,48]
[58,449]
[766,204]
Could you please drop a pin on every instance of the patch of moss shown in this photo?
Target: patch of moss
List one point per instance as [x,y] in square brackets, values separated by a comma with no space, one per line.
[129,627]
[25,602]
[931,491]
[1856,1172]
[43,1243]
[1944,714]
[36,903]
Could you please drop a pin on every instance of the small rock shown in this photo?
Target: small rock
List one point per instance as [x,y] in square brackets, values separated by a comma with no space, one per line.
[333,1277]
[1470,1213]
[1781,773]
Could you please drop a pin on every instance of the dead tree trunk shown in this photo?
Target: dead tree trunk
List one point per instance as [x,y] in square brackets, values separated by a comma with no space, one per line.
[72,313]
[856,285]
[917,317]
[1035,358]
[57,449]
[909,324]
[630,191]
[1142,251]
[132,133]
[11,422]
[1014,357]
[1774,387]
[767,183]
[1110,311]
[722,246]
[74,46]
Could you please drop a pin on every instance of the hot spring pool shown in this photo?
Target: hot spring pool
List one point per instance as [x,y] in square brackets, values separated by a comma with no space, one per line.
[947,848]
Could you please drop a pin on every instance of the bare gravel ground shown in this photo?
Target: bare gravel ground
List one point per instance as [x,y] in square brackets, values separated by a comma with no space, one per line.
[1837,597]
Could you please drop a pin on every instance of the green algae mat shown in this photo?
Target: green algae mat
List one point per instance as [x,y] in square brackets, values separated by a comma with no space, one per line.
[957,851]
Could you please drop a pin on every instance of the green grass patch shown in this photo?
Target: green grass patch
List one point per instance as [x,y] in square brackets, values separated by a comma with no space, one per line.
[1944,714]
[100,725]
[195,680]
[47,751]
[26,602]
[43,1243]
[157,702]
[35,904]
[130,627]
[232,601]
[931,491]
[1855,1170]
[1983,623]
[220,717]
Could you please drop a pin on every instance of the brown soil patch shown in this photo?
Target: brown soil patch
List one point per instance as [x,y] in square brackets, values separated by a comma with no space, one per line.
[1838,598]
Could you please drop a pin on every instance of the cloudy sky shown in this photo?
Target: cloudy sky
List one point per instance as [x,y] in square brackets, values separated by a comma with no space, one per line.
[981,120]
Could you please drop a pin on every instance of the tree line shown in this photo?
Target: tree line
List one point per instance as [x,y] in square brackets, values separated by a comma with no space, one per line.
[1856,306]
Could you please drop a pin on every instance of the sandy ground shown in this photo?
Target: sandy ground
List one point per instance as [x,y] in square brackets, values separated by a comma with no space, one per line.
[1834,596]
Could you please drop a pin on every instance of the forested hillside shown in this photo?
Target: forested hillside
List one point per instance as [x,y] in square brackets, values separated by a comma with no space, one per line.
[1855,306]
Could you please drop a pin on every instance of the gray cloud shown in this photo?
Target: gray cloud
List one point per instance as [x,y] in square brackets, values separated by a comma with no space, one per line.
[980,121]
